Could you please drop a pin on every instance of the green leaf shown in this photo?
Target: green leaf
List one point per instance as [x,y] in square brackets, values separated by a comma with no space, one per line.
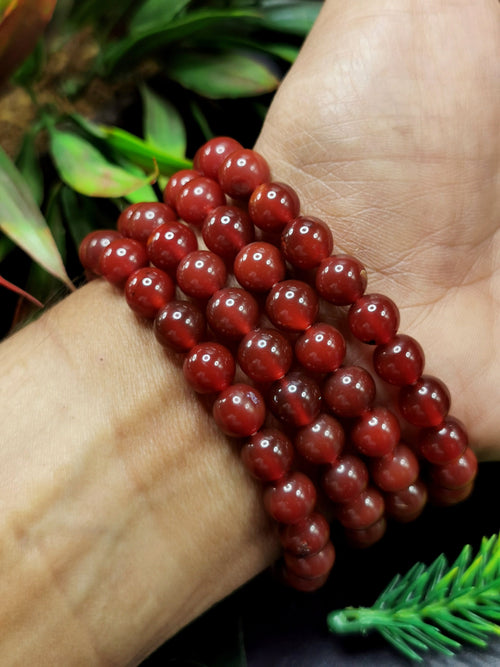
[293,18]
[163,125]
[84,168]
[21,221]
[230,74]
[148,12]
[29,166]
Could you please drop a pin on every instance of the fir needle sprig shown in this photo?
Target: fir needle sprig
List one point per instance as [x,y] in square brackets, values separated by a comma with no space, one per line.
[434,608]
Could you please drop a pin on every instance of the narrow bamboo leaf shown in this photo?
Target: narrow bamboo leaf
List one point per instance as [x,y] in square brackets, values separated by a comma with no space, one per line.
[146,193]
[230,74]
[21,221]
[294,18]
[29,166]
[14,288]
[81,214]
[286,52]
[86,169]
[163,125]
[200,118]
[150,11]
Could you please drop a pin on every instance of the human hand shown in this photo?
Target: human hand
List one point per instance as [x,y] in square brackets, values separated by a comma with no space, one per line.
[387,126]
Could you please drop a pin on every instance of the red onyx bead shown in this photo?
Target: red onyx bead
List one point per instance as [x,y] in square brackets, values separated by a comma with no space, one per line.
[92,247]
[170,243]
[226,230]
[295,399]
[258,266]
[265,355]
[349,391]
[198,198]
[241,172]
[345,479]
[321,441]
[291,498]
[180,325]
[209,367]
[376,432]
[209,157]
[140,220]
[201,273]
[456,474]
[444,497]
[366,537]
[175,184]
[444,443]
[311,567]
[239,410]
[374,319]
[362,511]
[400,361]
[147,290]
[232,312]
[272,206]
[306,537]
[121,258]
[425,403]
[406,505]
[341,279]
[321,349]
[396,470]
[304,585]
[268,455]
[305,242]
[292,305]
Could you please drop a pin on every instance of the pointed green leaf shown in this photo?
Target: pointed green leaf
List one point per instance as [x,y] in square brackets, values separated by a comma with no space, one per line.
[295,18]
[150,11]
[29,166]
[163,125]
[21,220]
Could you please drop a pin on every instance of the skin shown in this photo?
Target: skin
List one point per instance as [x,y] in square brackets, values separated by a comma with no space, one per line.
[125,514]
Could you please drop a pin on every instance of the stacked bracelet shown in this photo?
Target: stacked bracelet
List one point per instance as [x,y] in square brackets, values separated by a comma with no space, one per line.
[302,411]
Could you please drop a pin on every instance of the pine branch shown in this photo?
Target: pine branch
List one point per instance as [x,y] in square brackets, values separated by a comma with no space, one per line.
[434,608]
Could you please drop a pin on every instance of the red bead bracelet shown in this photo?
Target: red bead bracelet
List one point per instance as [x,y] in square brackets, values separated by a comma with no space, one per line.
[241,303]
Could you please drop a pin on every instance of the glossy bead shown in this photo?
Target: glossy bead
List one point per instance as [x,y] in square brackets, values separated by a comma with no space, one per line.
[239,410]
[310,567]
[291,498]
[443,497]
[321,441]
[321,349]
[367,537]
[198,198]
[175,184]
[457,473]
[341,279]
[292,305]
[444,443]
[362,511]
[345,479]
[258,266]
[209,367]
[295,399]
[306,537]
[400,361]
[373,319]
[306,242]
[376,432]
[425,403]
[272,206]
[304,585]
[170,243]
[406,505]
[180,325]
[241,172]
[226,230]
[92,247]
[396,470]
[232,312]
[349,391]
[268,455]
[209,157]
[121,258]
[148,290]
[138,221]
[200,274]
[265,355]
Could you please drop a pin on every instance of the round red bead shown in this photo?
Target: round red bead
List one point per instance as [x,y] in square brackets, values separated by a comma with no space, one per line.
[180,325]
[307,536]
[395,471]
[265,355]
[175,184]
[232,312]
[400,361]
[341,279]
[201,273]
[366,537]
[292,305]
[198,198]
[268,455]
[306,242]
[345,478]
[376,432]
[209,157]
[362,511]
[258,266]
[209,367]
[92,247]
[456,474]
[239,410]
[226,230]
[241,172]
[406,505]
[349,391]
[272,206]
[443,497]
[374,319]
[138,221]
[147,290]
[304,585]
[170,243]
[444,443]
[121,258]
[295,399]
[321,441]
[311,567]
[321,349]
[291,498]
[425,403]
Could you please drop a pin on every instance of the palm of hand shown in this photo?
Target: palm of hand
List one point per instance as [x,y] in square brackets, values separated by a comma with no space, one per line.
[388,128]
